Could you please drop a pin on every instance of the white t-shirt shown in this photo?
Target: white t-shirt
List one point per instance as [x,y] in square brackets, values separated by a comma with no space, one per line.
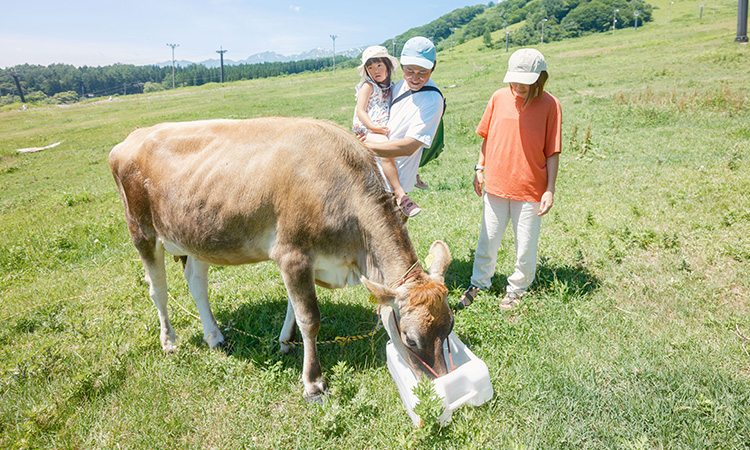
[416,116]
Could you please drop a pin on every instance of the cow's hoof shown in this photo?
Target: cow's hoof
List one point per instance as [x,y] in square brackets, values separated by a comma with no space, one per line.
[169,349]
[318,398]
[286,349]
[169,342]
[214,339]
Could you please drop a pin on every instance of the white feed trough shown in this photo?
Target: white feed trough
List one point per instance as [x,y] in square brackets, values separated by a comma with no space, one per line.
[469,383]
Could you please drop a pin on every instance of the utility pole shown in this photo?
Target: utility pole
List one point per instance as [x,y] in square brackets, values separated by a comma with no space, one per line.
[394,46]
[221,55]
[741,21]
[669,11]
[18,86]
[614,21]
[333,36]
[636,14]
[507,34]
[173,46]
[543,22]
[452,31]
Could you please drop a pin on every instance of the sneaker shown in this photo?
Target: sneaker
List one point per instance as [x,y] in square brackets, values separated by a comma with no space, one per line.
[408,207]
[421,184]
[509,302]
[468,296]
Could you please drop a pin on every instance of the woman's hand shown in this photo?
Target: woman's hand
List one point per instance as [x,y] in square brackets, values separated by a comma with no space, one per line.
[478,182]
[547,200]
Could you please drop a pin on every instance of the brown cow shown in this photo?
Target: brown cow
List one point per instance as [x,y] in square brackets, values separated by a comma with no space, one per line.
[301,192]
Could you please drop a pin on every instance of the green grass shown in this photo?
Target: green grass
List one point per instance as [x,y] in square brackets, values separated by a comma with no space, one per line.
[630,338]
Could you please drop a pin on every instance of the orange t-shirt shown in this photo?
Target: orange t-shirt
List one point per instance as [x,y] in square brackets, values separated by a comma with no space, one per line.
[519,143]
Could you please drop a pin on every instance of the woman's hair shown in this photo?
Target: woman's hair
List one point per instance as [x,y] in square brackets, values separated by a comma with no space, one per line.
[537,89]
[388,65]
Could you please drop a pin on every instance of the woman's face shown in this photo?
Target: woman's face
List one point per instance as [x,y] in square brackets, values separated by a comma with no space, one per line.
[521,90]
[377,70]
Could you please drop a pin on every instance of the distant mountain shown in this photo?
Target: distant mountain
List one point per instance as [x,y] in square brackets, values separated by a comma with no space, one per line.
[264,57]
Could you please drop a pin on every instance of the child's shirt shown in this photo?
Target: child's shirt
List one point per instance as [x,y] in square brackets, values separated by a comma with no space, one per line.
[519,141]
[378,107]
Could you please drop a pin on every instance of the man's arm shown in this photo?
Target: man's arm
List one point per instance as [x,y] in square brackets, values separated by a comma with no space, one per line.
[398,147]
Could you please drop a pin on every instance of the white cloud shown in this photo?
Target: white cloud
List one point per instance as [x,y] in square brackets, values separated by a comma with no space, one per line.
[295,8]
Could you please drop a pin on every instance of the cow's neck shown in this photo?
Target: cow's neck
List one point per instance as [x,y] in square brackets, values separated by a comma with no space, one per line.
[391,256]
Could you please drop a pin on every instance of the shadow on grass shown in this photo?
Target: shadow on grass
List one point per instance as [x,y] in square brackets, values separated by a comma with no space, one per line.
[565,280]
[260,322]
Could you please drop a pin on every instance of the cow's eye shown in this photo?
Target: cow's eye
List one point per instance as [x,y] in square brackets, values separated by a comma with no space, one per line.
[409,341]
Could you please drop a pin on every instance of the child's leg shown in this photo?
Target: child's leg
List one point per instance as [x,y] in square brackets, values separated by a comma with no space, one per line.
[391,174]
[407,206]
[526,227]
[495,217]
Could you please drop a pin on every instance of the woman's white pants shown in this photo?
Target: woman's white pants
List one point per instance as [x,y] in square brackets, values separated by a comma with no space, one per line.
[497,212]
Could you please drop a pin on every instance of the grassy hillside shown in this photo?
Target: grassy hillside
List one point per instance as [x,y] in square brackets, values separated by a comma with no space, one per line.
[635,334]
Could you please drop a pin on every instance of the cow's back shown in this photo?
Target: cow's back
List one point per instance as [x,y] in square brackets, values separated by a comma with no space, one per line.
[225,190]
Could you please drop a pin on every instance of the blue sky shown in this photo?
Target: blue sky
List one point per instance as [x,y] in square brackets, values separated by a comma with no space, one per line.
[104,32]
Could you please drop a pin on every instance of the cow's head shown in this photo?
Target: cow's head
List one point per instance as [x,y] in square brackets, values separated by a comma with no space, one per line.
[423,316]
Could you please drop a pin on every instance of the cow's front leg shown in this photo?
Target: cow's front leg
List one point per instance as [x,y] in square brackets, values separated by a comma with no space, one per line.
[196,274]
[297,271]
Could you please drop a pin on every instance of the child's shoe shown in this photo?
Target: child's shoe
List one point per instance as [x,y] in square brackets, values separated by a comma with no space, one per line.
[408,207]
[421,184]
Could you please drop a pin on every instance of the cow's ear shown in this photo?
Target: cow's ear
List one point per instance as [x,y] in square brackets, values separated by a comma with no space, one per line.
[438,260]
[382,293]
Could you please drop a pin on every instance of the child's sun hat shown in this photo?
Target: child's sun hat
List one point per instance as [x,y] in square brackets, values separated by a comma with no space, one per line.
[376,51]
[524,66]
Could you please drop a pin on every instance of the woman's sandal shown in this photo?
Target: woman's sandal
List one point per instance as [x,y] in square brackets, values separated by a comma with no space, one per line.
[509,302]
[468,296]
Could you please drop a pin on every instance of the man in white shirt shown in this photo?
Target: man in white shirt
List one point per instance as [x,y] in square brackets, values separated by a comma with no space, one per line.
[415,118]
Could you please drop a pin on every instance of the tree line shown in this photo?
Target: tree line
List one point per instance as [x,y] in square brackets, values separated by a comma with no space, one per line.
[560,19]
[64,83]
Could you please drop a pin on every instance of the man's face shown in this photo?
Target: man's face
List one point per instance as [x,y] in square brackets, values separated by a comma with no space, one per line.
[416,76]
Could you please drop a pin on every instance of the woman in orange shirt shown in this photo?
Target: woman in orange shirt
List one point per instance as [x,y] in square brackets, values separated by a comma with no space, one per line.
[516,172]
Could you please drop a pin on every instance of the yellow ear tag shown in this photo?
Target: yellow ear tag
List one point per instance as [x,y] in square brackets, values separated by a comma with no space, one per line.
[428,260]
[373,299]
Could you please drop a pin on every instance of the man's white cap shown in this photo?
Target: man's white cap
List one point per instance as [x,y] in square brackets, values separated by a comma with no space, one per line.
[524,66]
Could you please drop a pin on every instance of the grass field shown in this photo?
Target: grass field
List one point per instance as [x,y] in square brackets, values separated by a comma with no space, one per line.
[635,334]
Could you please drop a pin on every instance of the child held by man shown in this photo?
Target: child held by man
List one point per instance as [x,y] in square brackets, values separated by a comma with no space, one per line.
[372,112]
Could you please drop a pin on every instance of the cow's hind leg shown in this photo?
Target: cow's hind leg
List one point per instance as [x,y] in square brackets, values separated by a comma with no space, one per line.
[152,256]
[196,274]
[297,270]
[289,328]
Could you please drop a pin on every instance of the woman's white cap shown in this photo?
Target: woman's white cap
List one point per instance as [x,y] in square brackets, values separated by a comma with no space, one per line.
[524,66]
[376,51]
